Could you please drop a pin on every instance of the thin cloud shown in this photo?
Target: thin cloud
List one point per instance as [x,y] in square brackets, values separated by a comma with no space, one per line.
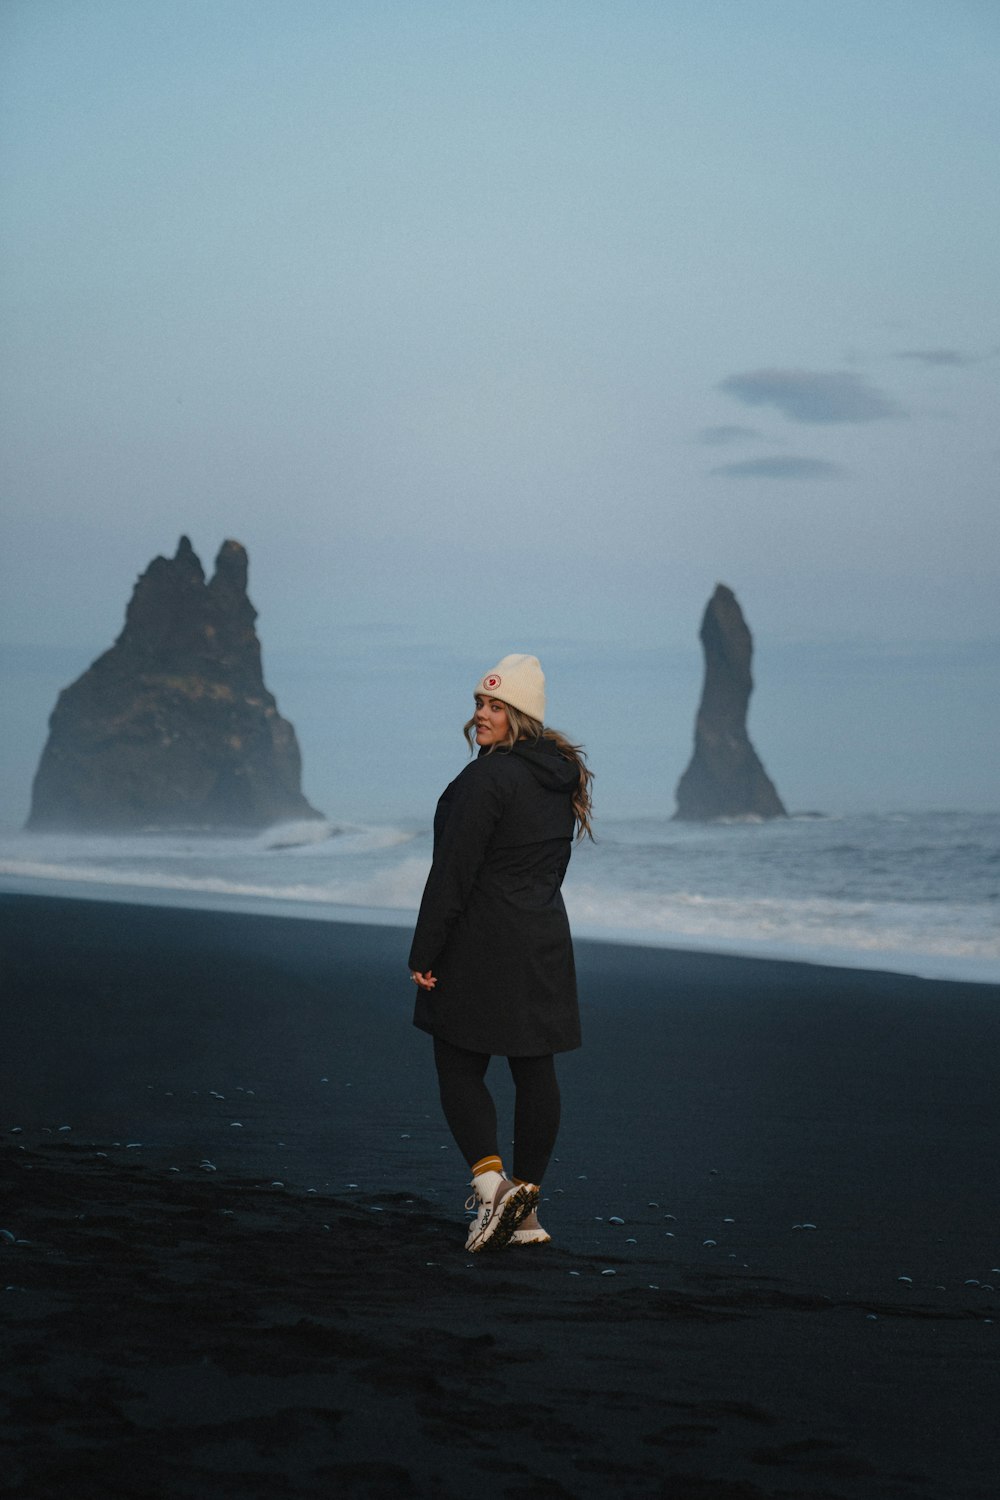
[812,395]
[781,467]
[937,356]
[719,437]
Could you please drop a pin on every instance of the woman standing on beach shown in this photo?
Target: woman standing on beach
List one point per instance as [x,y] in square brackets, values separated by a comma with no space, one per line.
[492,953]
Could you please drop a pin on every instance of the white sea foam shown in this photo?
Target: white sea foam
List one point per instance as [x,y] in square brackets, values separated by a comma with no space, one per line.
[337,839]
[397,887]
[951,942]
[298,835]
[865,925]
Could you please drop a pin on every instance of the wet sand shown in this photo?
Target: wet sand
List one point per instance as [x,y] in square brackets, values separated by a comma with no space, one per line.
[233,1255]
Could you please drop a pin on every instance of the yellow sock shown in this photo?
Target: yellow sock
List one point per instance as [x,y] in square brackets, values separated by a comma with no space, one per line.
[488,1164]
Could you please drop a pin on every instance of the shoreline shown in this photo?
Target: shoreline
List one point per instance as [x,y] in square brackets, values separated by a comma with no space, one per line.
[774,1267]
[949,969]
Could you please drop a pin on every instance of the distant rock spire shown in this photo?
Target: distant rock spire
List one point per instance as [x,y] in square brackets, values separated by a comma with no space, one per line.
[173,726]
[725,778]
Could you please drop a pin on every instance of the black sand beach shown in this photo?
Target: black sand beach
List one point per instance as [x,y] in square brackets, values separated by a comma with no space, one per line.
[233,1256]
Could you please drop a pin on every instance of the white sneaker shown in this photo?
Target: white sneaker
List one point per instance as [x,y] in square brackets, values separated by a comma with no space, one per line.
[501,1205]
[530,1232]
[475,1228]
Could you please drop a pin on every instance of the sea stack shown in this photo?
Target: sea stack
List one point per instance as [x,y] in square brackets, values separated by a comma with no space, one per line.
[725,778]
[173,726]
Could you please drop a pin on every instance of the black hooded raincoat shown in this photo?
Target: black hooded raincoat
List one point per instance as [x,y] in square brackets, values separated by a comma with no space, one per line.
[492,923]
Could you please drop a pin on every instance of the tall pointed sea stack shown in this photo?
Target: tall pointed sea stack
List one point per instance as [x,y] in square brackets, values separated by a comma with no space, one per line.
[173,727]
[725,779]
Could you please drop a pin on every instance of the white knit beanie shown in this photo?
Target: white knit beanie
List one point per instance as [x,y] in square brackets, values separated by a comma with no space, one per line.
[519,681]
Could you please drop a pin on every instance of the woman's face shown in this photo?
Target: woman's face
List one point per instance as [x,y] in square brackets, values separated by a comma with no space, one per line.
[490,721]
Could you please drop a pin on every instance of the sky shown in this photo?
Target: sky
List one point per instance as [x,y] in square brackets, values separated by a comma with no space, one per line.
[517,326]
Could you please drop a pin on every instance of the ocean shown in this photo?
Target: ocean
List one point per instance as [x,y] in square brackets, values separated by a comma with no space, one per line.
[912,892]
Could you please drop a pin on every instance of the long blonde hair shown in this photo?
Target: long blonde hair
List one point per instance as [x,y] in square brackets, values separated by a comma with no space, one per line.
[521,726]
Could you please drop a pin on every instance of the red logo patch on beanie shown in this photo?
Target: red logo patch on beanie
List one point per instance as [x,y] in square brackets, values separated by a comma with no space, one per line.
[492,681]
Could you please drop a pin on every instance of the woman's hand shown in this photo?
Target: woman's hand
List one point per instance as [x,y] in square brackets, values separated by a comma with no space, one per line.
[425,981]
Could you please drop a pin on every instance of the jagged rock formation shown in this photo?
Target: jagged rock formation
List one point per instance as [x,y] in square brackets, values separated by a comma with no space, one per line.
[173,726]
[725,779]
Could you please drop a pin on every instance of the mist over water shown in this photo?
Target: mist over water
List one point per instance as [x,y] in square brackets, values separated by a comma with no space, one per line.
[840,727]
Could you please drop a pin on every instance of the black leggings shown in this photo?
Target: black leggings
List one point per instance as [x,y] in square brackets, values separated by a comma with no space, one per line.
[472,1117]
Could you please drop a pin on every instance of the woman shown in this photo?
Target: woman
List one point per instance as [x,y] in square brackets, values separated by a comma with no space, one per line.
[492,955]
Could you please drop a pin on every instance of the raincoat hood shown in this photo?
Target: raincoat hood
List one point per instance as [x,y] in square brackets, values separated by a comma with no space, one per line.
[550,769]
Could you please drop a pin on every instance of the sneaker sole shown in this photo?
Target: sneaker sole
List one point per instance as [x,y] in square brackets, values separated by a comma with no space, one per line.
[529,1237]
[516,1206]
